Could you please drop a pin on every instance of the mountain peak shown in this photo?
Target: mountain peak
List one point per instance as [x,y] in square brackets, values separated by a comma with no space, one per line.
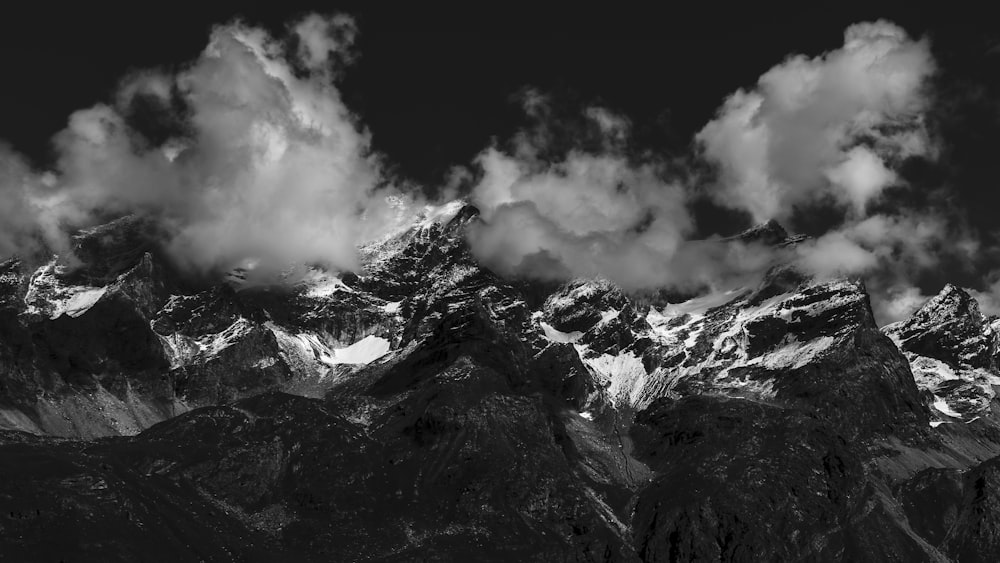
[769,232]
[426,353]
[949,327]
[952,302]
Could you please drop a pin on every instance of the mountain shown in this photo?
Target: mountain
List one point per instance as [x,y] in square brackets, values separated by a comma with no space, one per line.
[952,348]
[426,408]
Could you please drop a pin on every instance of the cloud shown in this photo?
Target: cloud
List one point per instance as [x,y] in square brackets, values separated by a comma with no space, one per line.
[891,252]
[324,39]
[896,246]
[596,212]
[861,176]
[264,162]
[586,214]
[836,254]
[898,303]
[827,130]
[18,215]
[823,128]
[989,297]
[828,133]
[249,155]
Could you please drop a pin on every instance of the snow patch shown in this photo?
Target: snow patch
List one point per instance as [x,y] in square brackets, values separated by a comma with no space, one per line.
[81,301]
[608,316]
[558,336]
[794,355]
[364,351]
[942,406]
[265,362]
[311,349]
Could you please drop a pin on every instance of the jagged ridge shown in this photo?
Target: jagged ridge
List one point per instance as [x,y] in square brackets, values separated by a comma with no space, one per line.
[428,408]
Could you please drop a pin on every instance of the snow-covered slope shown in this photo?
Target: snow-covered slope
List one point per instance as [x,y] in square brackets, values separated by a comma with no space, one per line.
[749,344]
[951,347]
[154,348]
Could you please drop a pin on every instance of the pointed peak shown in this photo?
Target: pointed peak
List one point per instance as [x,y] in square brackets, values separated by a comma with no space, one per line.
[772,224]
[949,327]
[770,232]
[951,304]
[952,299]
[950,288]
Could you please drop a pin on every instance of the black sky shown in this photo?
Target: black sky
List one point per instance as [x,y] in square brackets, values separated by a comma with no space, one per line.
[434,85]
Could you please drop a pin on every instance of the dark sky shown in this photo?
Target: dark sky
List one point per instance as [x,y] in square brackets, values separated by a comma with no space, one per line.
[435,85]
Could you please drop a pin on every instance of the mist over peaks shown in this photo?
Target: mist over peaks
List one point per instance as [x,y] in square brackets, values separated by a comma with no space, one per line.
[266,163]
[248,155]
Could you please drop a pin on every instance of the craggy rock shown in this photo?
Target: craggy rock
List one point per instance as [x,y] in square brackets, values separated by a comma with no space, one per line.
[426,408]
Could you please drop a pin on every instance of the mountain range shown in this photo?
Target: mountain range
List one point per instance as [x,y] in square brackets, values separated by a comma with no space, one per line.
[429,409]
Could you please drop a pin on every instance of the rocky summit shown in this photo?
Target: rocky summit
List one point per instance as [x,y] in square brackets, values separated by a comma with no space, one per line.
[428,409]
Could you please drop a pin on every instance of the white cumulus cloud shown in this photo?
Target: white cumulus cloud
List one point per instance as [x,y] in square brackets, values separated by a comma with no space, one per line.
[268,165]
[823,127]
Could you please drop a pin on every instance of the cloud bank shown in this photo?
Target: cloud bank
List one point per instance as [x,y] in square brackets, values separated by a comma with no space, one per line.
[248,155]
[265,164]
[596,212]
[821,132]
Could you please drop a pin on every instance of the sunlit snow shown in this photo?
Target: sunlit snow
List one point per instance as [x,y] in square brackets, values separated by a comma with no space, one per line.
[47,295]
[364,351]
[559,336]
[941,405]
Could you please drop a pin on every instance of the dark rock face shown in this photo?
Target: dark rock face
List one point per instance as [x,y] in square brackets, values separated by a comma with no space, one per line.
[427,409]
[975,535]
[787,488]
[598,309]
[956,512]
[769,233]
[177,494]
[111,336]
[931,501]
